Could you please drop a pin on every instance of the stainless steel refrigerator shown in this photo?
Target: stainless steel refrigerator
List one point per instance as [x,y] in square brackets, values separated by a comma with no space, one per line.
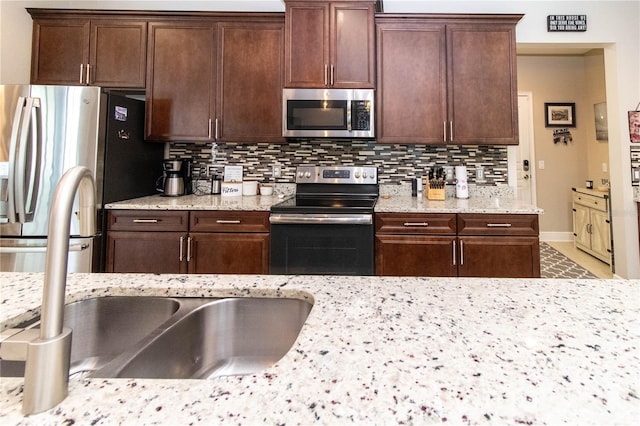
[45,131]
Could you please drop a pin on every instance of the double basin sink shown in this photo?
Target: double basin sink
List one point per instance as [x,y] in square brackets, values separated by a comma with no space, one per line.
[176,338]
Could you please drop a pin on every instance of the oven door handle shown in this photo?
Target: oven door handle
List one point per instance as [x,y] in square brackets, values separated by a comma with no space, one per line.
[321,219]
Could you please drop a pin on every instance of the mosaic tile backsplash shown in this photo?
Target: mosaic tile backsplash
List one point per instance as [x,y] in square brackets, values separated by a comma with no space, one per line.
[396,163]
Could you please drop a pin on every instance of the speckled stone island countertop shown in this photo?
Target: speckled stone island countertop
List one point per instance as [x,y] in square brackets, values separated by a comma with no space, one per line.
[392,199]
[381,351]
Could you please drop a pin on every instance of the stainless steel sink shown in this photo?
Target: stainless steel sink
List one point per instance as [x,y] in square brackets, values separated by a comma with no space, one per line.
[173,338]
[103,328]
[221,338]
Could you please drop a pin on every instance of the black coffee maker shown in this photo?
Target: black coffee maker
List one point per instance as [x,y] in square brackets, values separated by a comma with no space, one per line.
[177,178]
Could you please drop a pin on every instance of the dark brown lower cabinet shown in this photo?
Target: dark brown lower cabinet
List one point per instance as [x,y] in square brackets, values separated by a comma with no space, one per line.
[146,252]
[465,245]
[416,255]
[236,253]
[201,242]
[500,257]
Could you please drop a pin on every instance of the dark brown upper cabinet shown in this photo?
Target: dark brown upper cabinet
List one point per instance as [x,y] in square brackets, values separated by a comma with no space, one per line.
[72,48]
[447,79]
[330,44]
[215,80]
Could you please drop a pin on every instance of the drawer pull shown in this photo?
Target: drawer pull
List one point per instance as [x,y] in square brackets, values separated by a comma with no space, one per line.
[453,244]
[181,256]
[146,220]
[416,224]
[498,225]
[228,222]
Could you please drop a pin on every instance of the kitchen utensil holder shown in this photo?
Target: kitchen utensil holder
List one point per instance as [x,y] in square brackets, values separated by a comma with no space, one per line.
[435,193]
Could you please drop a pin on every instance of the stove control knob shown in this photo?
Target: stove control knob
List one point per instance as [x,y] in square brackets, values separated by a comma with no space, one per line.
[364,175]
[357,175]
[307,175]
[300,174]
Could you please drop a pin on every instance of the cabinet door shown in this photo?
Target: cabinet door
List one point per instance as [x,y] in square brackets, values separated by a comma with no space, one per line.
[146,252]
[306,44]
[118,53]
[416,255]
[601,234]
[250,65]
[60,48]
[499,257]
[229,253]
[411,99]
[581,221]
[180,81]
[352,45]
[482,86]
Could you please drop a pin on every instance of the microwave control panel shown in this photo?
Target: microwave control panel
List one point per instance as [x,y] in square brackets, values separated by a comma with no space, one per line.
[361,115]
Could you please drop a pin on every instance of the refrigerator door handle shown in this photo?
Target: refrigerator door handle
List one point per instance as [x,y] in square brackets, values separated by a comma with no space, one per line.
[39,249]
[25,186]
[14,149]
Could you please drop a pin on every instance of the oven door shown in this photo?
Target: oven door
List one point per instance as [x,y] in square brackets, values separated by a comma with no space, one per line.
[328,245]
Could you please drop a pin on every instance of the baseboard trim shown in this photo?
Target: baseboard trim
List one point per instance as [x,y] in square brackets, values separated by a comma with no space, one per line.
[556,236]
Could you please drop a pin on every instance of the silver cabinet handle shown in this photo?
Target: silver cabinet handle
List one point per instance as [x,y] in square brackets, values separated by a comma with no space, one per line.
[451,131]
[331,79]
[88,74]
[498,225]
[228,222]
[416,224]
[209,129]
[188,249]
[81,73]
[444,131]
[216,134]
[146,220]
[461,253]
[453,245]
[326,73]
[180,257]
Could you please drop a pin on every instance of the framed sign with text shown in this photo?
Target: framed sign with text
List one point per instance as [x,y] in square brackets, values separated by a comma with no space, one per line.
[562,23]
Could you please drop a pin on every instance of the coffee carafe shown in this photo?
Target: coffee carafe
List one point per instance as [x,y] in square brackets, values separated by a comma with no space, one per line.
[171,184]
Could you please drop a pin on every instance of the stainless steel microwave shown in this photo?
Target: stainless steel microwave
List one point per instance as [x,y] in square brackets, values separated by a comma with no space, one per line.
[328,113]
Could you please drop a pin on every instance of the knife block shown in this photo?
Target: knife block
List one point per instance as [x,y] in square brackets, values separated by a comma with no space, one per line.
[435,193]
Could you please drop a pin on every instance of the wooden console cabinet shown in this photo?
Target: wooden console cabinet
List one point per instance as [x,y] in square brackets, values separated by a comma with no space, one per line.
[592,224]
[457,82]
[203,242]
[465,245]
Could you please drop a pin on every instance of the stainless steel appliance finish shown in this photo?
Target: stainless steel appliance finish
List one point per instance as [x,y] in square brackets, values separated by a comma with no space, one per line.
[176,338]
[329,113]
[45,131]
[327,227]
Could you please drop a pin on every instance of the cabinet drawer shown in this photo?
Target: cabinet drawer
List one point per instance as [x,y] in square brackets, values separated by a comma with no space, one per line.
[590,201]
[229,221]
[415,223]
[147,220]
[498,224]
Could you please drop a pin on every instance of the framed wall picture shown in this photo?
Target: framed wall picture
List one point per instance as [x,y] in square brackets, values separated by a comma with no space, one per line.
[634,126]
[560,114]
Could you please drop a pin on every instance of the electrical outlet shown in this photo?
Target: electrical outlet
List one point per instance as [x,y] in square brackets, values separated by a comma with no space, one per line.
[276,171]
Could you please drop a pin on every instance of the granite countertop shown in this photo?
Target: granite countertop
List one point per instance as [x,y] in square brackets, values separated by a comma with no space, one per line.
[382,350]
[386,203]
[497,205]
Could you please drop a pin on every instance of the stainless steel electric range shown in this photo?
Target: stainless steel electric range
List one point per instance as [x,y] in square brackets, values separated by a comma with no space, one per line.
[327,227]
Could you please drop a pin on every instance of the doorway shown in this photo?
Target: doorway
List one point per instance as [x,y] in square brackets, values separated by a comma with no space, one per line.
[521,158]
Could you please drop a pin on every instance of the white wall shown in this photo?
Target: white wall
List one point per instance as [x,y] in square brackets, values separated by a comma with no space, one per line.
[612,25]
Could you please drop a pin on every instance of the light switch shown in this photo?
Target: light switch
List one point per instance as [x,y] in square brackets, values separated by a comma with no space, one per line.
[541,164]
[604,167]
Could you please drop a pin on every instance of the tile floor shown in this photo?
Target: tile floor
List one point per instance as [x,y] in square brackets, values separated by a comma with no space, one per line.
[590,263]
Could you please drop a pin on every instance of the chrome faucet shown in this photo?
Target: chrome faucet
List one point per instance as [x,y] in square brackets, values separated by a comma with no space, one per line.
[48,351]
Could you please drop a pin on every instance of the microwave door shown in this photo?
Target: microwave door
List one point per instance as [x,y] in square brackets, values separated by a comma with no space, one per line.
[316,117]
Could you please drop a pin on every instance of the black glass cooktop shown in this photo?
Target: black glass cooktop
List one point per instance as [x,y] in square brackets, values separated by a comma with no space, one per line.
[326,204]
